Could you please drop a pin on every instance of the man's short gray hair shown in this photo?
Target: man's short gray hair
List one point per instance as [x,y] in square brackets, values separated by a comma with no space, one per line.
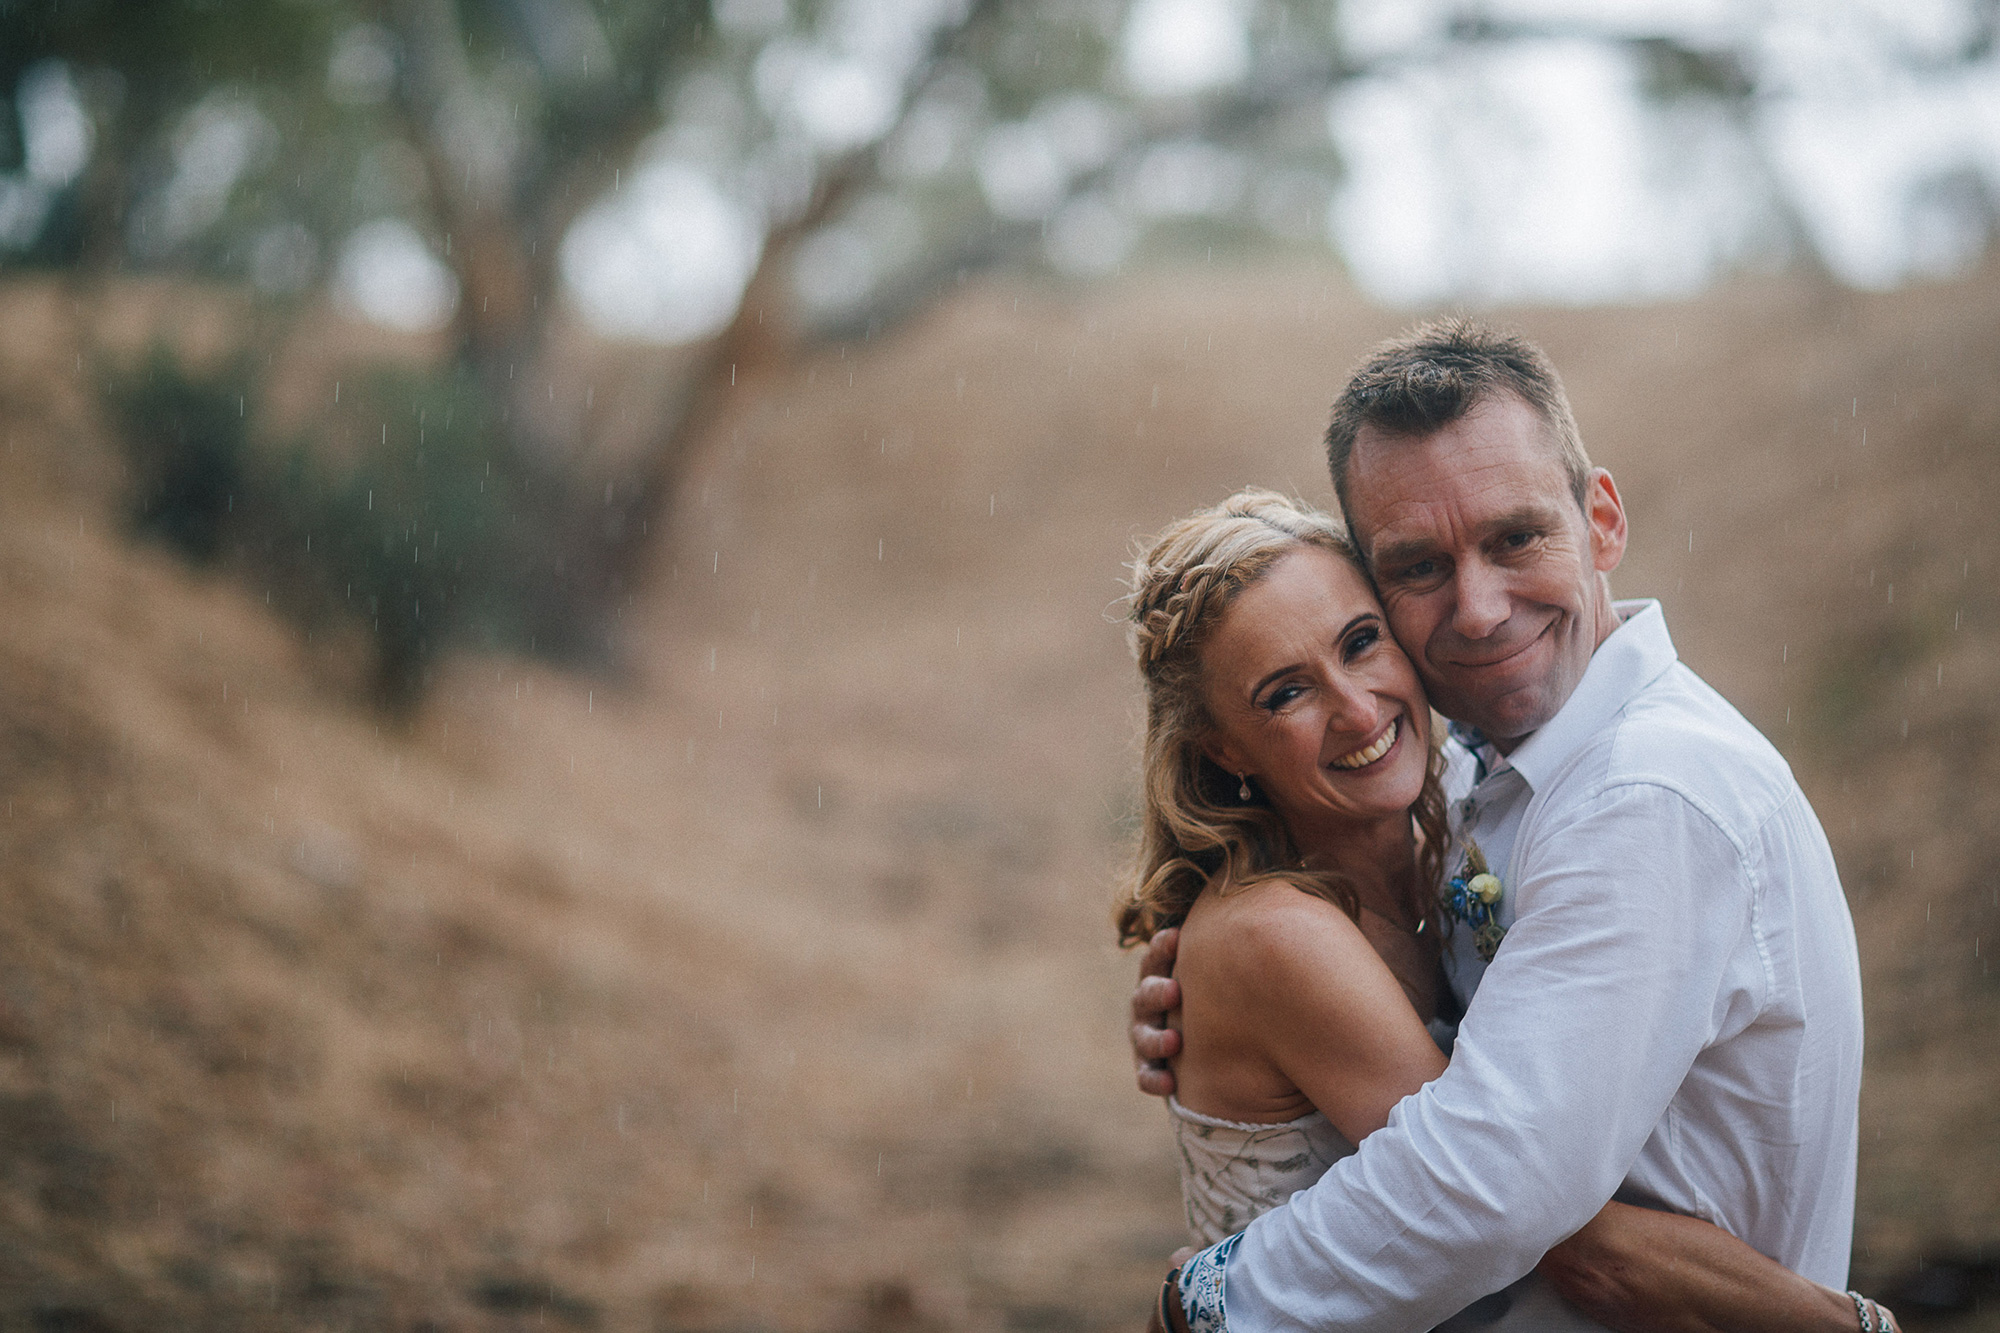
[1417,384]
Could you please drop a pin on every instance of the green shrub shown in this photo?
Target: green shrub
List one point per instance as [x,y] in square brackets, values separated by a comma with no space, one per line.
[185,440]
[400,509]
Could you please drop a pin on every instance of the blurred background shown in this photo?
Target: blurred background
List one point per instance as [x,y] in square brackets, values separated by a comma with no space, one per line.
[565,740]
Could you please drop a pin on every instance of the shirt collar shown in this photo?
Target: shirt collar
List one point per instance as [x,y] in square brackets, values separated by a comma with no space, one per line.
[1632,657]
[1486,760]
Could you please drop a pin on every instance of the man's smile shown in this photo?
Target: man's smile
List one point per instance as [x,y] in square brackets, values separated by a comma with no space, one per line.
[1466,664]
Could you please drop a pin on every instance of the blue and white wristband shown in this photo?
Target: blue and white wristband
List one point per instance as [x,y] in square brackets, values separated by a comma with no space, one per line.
[1201,1287]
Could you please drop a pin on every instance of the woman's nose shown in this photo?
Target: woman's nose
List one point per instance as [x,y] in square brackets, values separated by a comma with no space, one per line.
[1353,706]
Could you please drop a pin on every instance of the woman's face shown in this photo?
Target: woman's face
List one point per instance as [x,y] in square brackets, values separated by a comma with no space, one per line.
[1313,699]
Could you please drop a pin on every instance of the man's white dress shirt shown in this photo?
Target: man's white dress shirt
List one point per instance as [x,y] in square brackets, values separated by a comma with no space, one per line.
[1673,1018]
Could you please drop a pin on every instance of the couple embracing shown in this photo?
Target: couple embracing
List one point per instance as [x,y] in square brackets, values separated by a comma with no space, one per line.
[1552,1024]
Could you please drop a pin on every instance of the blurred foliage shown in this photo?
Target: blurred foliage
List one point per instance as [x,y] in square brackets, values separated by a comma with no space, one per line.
[141,69]
[423,538]
[1674,70]
[353,92]
[880,150]
[245,139]
[185,442]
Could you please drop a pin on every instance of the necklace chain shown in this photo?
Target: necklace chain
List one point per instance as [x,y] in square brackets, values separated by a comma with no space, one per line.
[1417,929]
[1423,922]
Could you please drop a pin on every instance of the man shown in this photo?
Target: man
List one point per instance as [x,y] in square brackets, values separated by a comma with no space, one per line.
[1664,1000]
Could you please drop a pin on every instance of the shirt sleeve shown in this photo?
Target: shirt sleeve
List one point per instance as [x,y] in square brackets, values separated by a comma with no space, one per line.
[1607,986]
[1200,1285]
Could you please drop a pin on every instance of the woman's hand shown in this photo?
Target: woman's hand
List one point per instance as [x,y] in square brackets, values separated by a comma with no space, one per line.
[1156,995]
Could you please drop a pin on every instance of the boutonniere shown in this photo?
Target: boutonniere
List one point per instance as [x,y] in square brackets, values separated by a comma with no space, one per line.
[1474,898]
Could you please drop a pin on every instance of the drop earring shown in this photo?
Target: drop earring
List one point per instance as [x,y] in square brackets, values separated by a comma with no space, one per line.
[1243,790]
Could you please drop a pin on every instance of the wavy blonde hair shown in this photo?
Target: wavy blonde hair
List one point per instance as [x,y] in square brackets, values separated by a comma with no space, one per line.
[1196,830]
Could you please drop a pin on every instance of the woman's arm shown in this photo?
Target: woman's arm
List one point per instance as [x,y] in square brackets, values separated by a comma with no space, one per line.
[1304,985]
[1288,1008]
[1635,1270]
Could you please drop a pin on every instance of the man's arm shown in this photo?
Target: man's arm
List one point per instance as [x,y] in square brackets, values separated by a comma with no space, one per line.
[1607,988]
[1635,1270]
[1640,1271]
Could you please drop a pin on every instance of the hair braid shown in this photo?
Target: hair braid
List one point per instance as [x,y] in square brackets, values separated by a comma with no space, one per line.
[1196,830]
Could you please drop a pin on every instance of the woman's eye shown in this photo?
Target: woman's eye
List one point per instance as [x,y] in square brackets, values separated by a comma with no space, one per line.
[1281,696]
[1362,640]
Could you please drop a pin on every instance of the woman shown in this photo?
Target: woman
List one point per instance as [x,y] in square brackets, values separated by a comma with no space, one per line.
[1294,831]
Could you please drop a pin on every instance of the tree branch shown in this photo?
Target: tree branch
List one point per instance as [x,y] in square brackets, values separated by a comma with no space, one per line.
[762,329]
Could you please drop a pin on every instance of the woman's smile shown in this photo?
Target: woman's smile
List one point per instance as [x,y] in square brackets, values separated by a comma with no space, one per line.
[1374,751]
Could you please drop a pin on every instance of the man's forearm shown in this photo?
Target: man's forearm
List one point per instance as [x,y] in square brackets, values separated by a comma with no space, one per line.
[1636,1270]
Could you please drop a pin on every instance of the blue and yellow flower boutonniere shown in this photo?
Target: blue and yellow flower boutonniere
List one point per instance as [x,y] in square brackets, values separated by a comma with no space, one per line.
[1474,895]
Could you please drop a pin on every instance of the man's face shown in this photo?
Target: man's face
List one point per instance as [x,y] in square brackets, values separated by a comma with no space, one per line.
[1490,575]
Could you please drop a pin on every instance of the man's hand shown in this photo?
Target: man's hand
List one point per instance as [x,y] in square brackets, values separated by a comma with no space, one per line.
[1157,995]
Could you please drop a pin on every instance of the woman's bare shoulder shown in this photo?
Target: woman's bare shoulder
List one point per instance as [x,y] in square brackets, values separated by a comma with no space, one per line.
[1265,935]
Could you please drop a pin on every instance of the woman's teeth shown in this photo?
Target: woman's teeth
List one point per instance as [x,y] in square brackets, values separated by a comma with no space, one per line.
[1363,757]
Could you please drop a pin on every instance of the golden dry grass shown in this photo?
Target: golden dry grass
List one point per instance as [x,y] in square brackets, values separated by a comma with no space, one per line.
[770,985]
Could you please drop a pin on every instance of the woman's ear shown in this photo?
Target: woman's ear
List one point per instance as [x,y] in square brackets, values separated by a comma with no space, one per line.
[1219,752]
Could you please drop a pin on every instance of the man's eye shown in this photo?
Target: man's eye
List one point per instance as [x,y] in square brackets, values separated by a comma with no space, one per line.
[1515,541]
[1422,569]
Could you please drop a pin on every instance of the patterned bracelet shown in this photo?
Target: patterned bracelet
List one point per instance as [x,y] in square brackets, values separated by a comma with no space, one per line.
[1201,1288]
[1172,1284]
[1874,1319]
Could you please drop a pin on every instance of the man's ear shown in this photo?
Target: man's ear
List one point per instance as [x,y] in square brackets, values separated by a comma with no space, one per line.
[1604,511]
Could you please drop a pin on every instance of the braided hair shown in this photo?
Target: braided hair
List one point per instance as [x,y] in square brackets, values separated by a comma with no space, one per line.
[1196,830]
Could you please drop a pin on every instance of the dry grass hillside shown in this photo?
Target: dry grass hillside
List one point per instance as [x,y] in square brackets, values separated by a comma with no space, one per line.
[768,985]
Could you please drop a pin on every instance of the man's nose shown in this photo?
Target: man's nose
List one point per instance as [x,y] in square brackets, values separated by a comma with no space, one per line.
[1480,604]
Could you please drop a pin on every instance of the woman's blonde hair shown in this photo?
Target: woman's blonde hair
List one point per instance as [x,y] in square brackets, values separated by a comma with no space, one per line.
[1196,829]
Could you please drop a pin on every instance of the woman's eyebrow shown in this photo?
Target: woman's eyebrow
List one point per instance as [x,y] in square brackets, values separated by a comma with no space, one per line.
[1343,632]
[1349,626]
[1287,669]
